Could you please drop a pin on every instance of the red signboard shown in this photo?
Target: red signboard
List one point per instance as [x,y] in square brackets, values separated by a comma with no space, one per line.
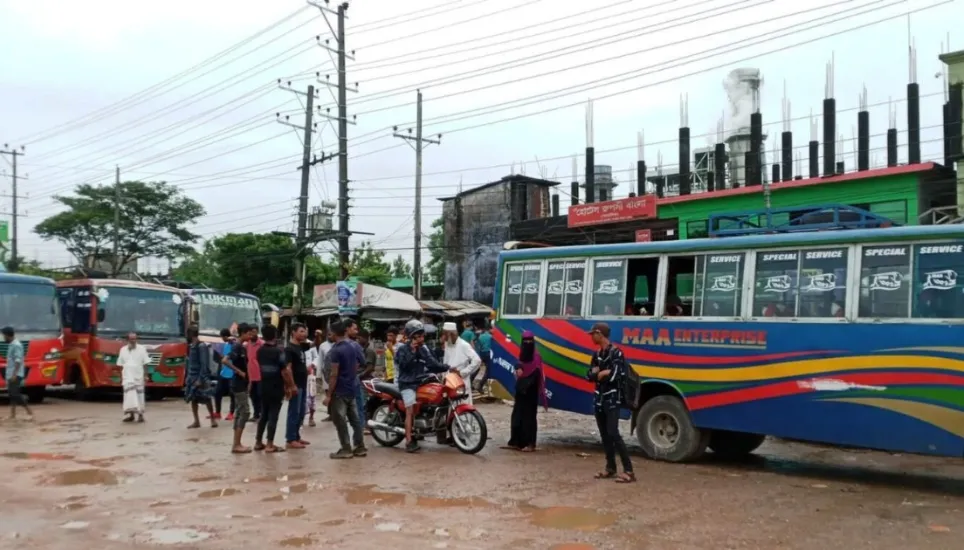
[620,210]
[644,235]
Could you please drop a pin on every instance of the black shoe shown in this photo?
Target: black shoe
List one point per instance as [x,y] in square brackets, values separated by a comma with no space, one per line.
[412,447]
[128,418]
[341,454]
[360,451]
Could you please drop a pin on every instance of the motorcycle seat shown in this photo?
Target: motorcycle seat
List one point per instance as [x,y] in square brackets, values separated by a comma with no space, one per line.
[388,388]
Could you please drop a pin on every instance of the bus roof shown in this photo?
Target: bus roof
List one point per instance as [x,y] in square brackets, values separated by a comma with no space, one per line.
[116,283]
[18,278]
[804,238]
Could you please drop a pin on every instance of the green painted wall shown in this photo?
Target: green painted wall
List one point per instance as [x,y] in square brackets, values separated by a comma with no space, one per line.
[884,194]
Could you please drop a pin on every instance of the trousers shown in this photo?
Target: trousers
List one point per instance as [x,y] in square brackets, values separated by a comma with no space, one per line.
[269,417]
[296,415]
[607,421]
[344,413]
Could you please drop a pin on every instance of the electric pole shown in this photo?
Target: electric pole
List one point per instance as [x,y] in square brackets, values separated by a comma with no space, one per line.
[117,202]
[300,238]
[417,143]
[15,214]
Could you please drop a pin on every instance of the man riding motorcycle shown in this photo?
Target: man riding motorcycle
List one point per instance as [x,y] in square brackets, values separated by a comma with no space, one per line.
[413,365]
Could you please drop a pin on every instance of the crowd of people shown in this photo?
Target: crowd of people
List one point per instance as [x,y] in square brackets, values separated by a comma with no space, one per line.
[260,373]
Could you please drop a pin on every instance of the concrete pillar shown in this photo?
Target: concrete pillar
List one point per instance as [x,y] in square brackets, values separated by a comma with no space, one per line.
[955,71]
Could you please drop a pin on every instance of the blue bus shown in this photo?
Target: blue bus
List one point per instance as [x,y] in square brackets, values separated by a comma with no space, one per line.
[852,338]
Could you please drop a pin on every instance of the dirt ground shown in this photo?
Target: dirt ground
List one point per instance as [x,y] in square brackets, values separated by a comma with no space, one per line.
[79,478]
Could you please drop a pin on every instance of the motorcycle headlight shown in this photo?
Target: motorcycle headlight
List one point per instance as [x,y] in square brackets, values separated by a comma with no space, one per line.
[460,391]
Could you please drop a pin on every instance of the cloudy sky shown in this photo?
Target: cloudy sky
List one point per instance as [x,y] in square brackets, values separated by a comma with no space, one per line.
[186,92]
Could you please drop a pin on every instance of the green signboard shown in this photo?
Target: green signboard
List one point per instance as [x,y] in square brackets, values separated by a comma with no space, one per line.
[4,231]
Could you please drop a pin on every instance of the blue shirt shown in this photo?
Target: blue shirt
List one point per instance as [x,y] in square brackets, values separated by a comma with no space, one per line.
[360,355]
[226,371]
[15,367]
[345,356]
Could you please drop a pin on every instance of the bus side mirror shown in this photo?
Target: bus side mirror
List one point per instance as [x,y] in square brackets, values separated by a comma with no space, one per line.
[100,315]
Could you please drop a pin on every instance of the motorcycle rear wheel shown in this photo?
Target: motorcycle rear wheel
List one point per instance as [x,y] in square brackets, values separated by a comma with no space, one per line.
[382,437]
[483,435]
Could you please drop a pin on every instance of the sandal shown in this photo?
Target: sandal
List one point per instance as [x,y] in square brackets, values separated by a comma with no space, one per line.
[605,475]
[274,449]
[626,477]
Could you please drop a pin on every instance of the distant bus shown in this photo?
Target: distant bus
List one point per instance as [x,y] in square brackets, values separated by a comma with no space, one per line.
[98,314]
[213,310]
[853,338]
[29,305]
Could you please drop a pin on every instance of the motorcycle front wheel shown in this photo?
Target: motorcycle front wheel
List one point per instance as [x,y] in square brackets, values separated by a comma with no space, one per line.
[469,432]
[385,438]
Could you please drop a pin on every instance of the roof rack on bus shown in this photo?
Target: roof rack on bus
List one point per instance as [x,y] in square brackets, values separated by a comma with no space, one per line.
[825,217]
[186,285]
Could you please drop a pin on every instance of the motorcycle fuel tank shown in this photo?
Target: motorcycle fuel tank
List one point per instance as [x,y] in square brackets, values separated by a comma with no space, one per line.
[429,393]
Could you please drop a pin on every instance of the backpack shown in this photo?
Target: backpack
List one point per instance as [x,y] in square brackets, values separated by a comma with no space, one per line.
[629,389]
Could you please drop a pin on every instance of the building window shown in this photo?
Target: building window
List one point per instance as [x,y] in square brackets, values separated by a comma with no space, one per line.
[697,230]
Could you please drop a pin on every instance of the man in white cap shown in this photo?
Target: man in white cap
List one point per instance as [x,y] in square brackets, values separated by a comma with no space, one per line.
[460,355]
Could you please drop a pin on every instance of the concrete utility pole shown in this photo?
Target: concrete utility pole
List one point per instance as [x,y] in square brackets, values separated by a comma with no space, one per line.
[117,202]
[417,143]
[300,238]
[15,214]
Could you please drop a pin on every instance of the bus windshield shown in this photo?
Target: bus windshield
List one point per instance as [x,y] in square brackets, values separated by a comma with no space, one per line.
[29,307]
[217,311]
[147,312]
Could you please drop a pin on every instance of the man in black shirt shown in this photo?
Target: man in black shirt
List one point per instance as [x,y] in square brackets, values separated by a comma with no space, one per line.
[295,354]
[238,362]
[276,384]
[607,370]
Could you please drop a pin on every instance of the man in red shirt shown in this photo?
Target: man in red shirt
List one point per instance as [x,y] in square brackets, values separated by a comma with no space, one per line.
[254,343]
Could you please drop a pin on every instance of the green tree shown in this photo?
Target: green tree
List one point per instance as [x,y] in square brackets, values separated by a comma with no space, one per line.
[154,219]
[400,268]
[435,269]
[369,266]
[258,263]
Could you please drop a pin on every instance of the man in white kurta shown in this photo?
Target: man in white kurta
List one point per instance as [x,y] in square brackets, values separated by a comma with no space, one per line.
[132,360]
[460,355]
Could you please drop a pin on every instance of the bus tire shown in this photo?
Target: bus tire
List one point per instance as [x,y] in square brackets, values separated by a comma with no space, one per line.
[734,445]
[35,395]
[666,432]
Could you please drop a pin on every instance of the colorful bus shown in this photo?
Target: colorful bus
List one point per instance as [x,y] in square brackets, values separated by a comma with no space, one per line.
[851,338]
[29,305]
[213,310]
[97,315]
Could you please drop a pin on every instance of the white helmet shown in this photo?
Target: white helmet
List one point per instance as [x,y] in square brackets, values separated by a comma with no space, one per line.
[413,328]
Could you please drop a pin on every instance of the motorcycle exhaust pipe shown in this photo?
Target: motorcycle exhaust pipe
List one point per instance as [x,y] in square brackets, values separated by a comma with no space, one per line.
[385,427]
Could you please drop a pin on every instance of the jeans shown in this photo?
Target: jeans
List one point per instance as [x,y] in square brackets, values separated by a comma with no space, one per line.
[361,399]
[256,399]
[296,415]
[607,421]
[269,416]
[344,412]
[223,388]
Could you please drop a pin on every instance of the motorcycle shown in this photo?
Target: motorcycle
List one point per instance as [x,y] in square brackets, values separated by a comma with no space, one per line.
[440,409]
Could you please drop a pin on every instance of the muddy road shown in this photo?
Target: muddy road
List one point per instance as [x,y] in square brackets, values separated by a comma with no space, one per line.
[77,477]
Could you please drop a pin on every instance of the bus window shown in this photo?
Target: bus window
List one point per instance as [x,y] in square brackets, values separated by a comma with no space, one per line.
[823,283]
[937,293]
[775,291]
[681,289]
[641,286]
[81,312]
[564,289]
[721,284]
[522,289]
[884,282]
[66,297]
[608,287]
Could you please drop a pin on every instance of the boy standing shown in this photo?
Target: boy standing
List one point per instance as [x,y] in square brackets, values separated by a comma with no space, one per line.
[15,373]
[237,361]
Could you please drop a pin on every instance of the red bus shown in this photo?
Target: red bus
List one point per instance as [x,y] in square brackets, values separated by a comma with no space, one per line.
[97,314]
[29,305]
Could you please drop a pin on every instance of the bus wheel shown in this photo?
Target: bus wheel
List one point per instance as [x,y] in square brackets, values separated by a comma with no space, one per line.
[734,445]
[665,431]
[35,395]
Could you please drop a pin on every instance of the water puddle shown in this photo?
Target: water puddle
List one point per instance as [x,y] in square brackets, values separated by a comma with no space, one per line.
[290,513]
[171,536]
[562,517]
[84,477]
[218,493]
[75,525]
[72,506]
[280,479]
[367,495]
[297,542]
[36,456]
[276,498]
[154,518]
[203,479]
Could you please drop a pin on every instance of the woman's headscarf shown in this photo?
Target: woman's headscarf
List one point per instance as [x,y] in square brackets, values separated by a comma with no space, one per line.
[529,358]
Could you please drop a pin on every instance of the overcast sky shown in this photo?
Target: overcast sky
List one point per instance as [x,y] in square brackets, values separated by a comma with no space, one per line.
[481,64]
